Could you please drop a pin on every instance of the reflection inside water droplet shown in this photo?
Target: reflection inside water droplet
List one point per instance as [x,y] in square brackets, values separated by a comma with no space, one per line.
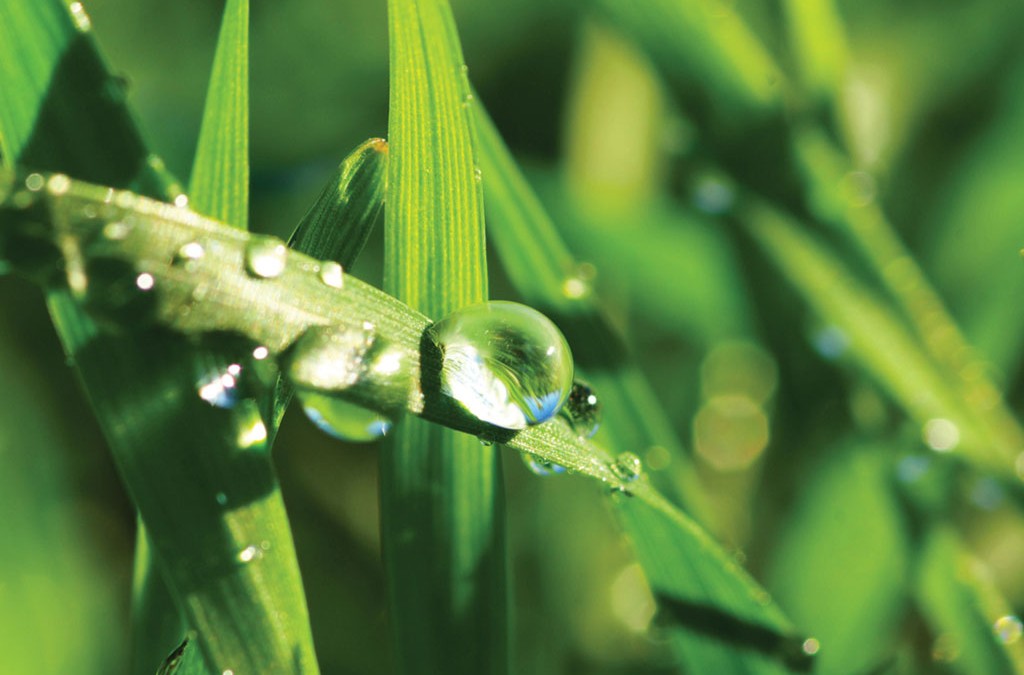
[505,363]
[541,467]
[628,467]
[583,409]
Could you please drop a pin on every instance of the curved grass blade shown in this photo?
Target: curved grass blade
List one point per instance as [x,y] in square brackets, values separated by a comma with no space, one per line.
[65,111]
[692,585]
[879,337]
[442,501]
[275,312]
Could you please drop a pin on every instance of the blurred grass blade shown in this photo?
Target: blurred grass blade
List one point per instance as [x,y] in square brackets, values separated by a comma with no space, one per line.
[846,198]
[442,501]
[539,265]
[879,338]
[974,627]
[720,620]
[341,219]
[219,188]
[818,42]
[69,114]
[707,51]
[847,524]
[219,185]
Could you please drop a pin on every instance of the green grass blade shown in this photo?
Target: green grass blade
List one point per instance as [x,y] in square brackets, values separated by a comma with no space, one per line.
[341,219]
[818,43]
[275,312]
[65,111]
[219,186]
[539,264]
[442,501]
[882,342]
[847,524]
[965,610]
[156,621]
[706,50]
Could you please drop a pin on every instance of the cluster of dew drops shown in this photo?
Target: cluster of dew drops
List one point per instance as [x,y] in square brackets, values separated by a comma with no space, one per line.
[503,363]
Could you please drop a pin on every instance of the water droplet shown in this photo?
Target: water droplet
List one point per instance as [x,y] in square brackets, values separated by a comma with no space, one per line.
[189,253]
[332,274]
[627,467]
[228,672]
[343,419]
[478,175]
[117,230]
[329,358]
[251,432]
[35,182]
[260,353]
[582,409]
[1008,629]
[58,184]
[831,342]
[713,194]
[250,553]
[78,15]
[541,467]
[222,499]
[941,434]
[145,281]
[265,257]
[811,646]
[504,363]
[181,201]
[580,283]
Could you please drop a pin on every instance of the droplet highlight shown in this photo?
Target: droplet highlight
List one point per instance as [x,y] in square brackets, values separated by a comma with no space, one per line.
[504,363]
[1008,629]
[265,257]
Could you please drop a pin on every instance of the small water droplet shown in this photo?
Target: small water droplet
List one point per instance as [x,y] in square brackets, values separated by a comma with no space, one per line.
[713,194]
[265,257]
[504,363]
[1008,629]
[332,274]
[222,499]
[58,184]
[78,15]
[831,342]
[260,353]
[145,281]
[342,419]
[580,283]
[628,467]
[228,672]
[583,409]
[252,432]
[486,442]
[941,434]
[478,174]
[35,182]
[181,201]
[189,253]
[541,467]
[811,646]
[249,553]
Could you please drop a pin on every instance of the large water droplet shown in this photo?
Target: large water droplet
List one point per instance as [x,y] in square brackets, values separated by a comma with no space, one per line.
[78,15]
[505,363]
[265,257]
[343,419]
[541,467]
[332,274]
[583,409]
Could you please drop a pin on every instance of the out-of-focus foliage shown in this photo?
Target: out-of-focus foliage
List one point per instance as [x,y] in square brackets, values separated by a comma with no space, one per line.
[820,478]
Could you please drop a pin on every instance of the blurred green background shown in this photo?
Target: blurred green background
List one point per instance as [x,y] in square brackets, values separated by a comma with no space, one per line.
[817,480]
